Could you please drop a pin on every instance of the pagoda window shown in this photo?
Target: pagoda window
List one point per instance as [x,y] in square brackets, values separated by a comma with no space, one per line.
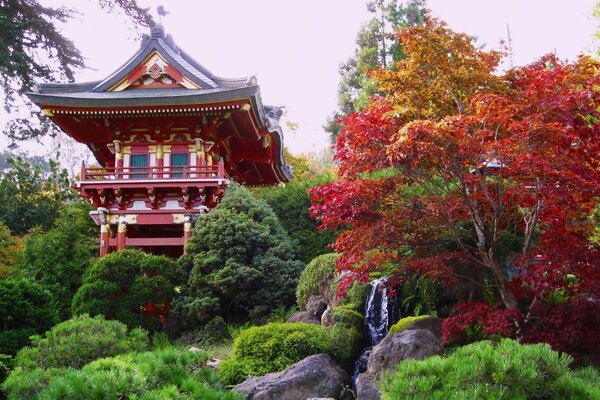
[178,161]
[139,163]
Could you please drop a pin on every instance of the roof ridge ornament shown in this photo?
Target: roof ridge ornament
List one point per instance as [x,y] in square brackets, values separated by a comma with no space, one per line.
[157,32]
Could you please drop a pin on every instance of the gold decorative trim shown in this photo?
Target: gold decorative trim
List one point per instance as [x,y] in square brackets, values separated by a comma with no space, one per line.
[178,218]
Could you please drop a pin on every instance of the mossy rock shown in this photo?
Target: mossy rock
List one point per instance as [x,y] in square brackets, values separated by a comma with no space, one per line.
[400,325]
[318,276]
[345,314]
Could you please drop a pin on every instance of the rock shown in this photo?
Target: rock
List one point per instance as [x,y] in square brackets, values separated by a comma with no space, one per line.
[195,350]
[431,323]
[327,317]
[406,345]
[316,305]
[366,388]
[213,362]
[304,316]
[315,376]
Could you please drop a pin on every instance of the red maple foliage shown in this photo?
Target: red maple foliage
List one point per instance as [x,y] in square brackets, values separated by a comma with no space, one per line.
[452,158]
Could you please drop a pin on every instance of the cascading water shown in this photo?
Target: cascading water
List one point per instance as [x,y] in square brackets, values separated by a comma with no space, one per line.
[380,313]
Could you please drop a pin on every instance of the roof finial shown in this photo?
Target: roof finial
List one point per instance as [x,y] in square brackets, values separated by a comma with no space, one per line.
[161,13]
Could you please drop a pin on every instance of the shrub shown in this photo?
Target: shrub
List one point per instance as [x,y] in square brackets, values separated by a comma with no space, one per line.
[131,286]
[346,344]
[504,370]
[163,374]
[27,309]
[316,277]
[356,296]
[344,314]
[80,340]
[399,326]
[11,251]
[272,348]
[6,365]
[240,263]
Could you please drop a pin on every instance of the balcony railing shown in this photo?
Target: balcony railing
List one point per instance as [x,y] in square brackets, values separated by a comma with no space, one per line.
[154,172]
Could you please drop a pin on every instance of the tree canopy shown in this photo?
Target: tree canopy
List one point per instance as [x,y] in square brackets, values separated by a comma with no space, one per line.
[32,48]
[457,164]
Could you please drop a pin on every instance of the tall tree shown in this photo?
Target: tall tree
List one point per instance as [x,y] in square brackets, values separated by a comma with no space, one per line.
[375,48]
[32,48]
[455,165]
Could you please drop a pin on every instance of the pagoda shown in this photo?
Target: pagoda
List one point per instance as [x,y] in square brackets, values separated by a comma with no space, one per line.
[168,136]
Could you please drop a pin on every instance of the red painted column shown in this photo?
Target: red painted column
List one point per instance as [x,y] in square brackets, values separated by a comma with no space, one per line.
[121,235]
[104,239]
[187,233]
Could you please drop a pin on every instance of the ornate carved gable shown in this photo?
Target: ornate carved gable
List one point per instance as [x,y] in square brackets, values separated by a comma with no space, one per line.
[154,72]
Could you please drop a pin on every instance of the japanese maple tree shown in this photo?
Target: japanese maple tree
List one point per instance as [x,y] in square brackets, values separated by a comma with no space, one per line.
[455,163]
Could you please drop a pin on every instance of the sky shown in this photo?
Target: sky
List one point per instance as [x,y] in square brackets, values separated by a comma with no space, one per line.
[295,47]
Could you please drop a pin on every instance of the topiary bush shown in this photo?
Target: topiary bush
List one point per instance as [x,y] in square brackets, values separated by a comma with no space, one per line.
[489,370]
[316,277]
[272,348]
[131,286]
[162,374]
[240,264]
[80,340]
[26,308]
[345,314]
[398,326]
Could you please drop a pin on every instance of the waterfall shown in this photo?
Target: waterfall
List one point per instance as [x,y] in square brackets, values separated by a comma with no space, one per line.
[376,311]
[380,313]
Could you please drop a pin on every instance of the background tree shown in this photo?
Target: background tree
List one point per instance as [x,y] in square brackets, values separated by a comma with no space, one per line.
[454,164]
[27,309]
[11,250]
[130,286]
[375,48]
[28,198]
[290,203]
[58,258]
[240,263]
[33,49]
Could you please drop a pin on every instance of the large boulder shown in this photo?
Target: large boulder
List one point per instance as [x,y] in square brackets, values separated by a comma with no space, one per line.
[434,324]
[315,376]
[316,305]
[405,345]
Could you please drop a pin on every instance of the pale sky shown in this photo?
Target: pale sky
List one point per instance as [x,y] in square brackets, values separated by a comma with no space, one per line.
[295,47]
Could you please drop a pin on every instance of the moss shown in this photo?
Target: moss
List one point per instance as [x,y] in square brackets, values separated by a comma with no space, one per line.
[344,314]
[398,326]
[346,343]
[318,274]
[272,348]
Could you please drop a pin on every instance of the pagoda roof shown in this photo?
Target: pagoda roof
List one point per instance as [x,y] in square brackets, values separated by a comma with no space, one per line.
[181,81]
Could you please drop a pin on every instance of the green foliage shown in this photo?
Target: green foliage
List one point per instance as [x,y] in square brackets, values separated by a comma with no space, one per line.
[27,309]
[271,348]
[290,203]
[346,344]
[58,258]
[316,277]
[80,340]
[11,249]
[6,365]
[163,374]
[240,261]
[420,295]
[215,331]
[399,326]
[486,370]
[356,296]
[28,198]
[119,285]
[345,314]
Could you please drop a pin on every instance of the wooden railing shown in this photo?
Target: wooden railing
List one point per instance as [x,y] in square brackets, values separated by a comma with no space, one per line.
[154,172]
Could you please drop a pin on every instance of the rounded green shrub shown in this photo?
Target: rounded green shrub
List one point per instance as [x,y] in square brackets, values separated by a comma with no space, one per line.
[80,340]
[345,314]
[487,370]
[272,348]
[356,296]
[318,274]
[398,326]
[346,343]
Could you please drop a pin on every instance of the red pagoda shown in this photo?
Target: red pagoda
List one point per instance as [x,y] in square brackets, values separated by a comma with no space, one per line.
[168,136]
